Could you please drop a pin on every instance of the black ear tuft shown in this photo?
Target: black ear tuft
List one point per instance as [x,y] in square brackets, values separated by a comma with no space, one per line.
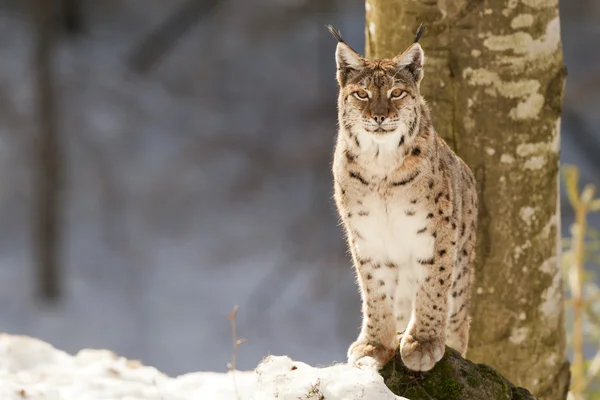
[348,61]
[336,34]
[420,31]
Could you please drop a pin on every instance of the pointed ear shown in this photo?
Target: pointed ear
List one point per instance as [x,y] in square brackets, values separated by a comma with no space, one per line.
[412,59]
[348,62]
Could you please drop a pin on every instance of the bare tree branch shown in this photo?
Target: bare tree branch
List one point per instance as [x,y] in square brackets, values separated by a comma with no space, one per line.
[157,43]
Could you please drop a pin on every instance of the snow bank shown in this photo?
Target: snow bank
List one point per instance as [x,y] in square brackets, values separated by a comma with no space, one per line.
[32,369]
[282,378]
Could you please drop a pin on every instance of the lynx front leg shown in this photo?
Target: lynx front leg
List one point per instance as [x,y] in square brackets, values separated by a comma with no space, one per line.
[377,337]
[423,343]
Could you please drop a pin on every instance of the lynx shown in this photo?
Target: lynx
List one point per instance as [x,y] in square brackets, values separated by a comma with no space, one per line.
[409,207]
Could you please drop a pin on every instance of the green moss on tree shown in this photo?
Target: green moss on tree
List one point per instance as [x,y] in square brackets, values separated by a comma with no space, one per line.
[452,378]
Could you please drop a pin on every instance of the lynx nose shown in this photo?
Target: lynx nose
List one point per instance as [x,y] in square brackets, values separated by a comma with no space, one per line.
[379,118]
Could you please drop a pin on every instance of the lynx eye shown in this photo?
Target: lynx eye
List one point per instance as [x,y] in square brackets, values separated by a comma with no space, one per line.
[398,94]
[361,94]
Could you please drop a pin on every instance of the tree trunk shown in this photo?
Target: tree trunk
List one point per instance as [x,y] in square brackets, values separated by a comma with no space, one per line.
[47,156]
[71,16]
[494,79]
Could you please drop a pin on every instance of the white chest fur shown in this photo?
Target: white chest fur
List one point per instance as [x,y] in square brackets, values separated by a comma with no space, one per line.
[392,231]
[386,227]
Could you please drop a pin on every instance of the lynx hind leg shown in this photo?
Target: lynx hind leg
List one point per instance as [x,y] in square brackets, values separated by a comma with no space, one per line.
[402,309]
[459,320]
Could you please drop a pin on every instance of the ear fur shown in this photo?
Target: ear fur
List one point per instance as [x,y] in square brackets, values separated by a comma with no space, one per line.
[412,59]
[348,61]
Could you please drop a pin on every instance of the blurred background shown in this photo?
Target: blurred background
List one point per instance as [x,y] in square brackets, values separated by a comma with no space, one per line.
[192,142]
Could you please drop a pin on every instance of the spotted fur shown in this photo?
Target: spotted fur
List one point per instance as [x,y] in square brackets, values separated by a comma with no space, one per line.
[408,205]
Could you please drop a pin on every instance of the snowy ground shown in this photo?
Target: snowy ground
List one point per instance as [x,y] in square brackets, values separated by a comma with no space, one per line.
[32,369]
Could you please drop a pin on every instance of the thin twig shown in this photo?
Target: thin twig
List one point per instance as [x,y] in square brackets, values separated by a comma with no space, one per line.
[236,344]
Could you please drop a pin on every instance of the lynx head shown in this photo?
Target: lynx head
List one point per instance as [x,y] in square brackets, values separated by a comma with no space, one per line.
[379,96]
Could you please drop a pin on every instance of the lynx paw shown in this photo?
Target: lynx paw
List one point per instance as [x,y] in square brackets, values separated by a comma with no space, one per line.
[362,348]
[420,355]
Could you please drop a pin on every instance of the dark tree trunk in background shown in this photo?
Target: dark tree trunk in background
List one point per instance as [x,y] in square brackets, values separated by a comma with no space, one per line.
[47,156]
[71,16]
[494,78]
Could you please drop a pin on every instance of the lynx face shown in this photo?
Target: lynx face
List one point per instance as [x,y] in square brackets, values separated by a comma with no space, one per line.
[379,96]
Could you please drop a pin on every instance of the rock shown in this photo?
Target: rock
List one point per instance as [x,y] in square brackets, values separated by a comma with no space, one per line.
[453,378]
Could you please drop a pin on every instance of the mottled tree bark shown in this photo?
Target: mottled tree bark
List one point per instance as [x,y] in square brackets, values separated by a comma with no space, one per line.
[494,79]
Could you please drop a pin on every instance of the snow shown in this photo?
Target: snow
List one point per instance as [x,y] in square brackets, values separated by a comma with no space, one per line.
[33,369]
[282,378]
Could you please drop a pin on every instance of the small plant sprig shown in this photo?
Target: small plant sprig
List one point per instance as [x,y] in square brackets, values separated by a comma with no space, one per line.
[582,246]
